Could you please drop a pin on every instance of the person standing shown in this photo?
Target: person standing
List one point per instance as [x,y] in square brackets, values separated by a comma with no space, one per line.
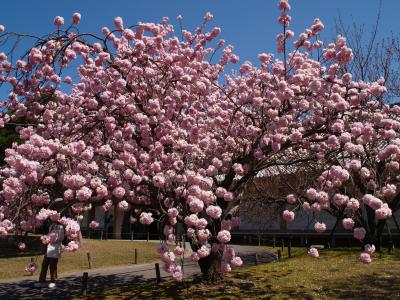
[52,254]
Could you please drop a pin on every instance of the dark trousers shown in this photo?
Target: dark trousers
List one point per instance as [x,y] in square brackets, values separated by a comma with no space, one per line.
[52,262]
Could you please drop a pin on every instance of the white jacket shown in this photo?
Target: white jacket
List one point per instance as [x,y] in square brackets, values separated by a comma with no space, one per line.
[54,249]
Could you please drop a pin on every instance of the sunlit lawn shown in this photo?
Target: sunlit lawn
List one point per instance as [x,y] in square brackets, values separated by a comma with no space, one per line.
[103,253]
[336,274]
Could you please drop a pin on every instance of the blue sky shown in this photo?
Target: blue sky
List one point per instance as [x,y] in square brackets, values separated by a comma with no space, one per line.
[251,26]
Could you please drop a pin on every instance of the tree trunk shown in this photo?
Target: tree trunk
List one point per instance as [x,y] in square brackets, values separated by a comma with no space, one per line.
[374,234]
[80,239]
[379,230]
[210,267]
[118,219]
[91,216]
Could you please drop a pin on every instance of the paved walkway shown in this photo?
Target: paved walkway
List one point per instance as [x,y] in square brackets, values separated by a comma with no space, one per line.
[70,284]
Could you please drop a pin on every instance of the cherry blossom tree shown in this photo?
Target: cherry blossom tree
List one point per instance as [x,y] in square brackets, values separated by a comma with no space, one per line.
[360,185]
[151,124]
[371,173]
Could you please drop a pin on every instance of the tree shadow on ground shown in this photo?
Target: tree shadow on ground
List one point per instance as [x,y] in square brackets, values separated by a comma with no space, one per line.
[379,285]
[69,287]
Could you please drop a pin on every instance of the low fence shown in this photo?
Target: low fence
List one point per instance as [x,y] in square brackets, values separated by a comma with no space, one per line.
[273,239]
[104,235]
[305,239]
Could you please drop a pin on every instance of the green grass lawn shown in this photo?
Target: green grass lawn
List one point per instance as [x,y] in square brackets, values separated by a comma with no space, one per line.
[104,254]
[336,274]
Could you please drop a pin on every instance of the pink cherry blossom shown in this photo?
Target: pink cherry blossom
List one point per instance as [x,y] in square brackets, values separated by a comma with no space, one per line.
[173,212]
[365,258]
[353,204]
[384,212]
[288,216]
[177,276]
[195,257]
[224,236]
[313,252]
[214,211]
[31,268]
[372,201]
[58,21]
[226,224]
[179,250]
[93,225]
[146,218]
[236,262]
[225,267]
[291,199]
[359,233]
[163,247]
[118,23]
[203,251]
[284,5]
[238,169]
[320,227]
[311,194]
[71,247]
[21,246]
[76,18]
[348,223]
[368,248]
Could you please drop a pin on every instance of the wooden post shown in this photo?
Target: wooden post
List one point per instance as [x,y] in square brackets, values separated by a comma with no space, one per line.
[158,273]
[101,235]
[131,236]
[279,254]
[282,244]
[89,258]
[148,236]
[273,242]
[259,240]
[390,242]
[32,262]
[390,246]
[256,256]
[289,248]
[135,257]
[85,278]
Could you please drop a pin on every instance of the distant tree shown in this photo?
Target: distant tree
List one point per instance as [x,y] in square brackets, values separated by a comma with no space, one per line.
[375,56]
